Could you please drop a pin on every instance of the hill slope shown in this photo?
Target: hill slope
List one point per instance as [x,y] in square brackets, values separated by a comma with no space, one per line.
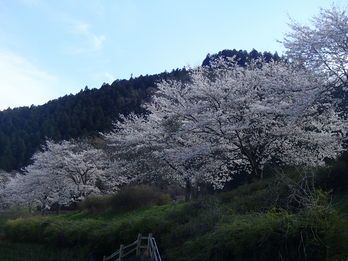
[256,221]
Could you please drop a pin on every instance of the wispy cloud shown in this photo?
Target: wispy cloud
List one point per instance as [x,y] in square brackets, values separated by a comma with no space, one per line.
[81,37]
[90,41]
[22,83]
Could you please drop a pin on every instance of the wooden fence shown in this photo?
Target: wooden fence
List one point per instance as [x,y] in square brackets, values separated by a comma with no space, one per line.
[143,246]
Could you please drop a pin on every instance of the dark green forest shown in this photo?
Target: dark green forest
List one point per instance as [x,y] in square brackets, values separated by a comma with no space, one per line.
[23,130]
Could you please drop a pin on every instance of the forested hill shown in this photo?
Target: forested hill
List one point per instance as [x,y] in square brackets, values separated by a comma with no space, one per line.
[24,129]
[241,57]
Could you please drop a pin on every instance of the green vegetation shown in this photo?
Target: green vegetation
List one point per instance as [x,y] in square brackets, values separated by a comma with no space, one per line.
[273,235]
[340,202]
[32,252]
[128,198]
[14,213]
[252,222]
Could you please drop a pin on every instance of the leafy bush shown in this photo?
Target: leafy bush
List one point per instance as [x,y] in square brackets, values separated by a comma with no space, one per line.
[247,198]
[193,220]
[140,196]
[129,198]
[335,176]
[14,212]
[96,204]
[97,234]
[270,236]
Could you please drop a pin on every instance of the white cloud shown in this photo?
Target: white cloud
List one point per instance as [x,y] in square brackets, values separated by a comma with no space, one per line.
[22,83]
[91,42]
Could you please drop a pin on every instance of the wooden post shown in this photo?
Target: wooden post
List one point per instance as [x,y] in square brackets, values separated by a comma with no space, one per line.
[149,246]
[121,253]
[138,245]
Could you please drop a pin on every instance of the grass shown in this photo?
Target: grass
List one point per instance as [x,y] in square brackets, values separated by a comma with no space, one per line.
[98,232]
[243,224]
[13,213]
[340,202]
[120,215]
[10,251]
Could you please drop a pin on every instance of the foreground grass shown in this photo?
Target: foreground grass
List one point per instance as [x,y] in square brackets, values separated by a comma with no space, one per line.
[13,213]
[10,251]
[340,202]
[99,232]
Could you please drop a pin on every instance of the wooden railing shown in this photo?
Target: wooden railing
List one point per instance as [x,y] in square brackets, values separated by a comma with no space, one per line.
[149,249]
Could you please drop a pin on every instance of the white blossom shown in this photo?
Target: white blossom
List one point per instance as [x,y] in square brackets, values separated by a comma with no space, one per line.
[228,119]
[323,46]
[63,173]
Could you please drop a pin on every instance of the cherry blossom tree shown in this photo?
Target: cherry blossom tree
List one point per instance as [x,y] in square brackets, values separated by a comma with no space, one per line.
[4,178]
[35,189]
[83,168]
[63,173]
[256,115]
[323,46]
[144,148]
[136,146]
[228,119]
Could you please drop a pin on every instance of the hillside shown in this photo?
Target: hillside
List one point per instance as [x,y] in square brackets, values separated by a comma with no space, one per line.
[24,129]
[256,221]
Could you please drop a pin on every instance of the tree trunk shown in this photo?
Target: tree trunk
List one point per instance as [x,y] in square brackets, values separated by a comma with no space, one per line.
[188,190]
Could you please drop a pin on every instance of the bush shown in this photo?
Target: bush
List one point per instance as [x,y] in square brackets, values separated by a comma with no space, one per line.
[140,196]
[96,234]
[310,235]
[13,213]
[96,204]
[129,198]
[335,176]
[254,197]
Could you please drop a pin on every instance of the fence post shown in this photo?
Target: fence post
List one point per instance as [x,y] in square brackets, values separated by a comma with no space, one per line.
[138,245]
[121,253]
[149,250]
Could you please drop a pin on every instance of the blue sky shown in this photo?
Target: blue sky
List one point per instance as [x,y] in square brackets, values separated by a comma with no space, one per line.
[51,48]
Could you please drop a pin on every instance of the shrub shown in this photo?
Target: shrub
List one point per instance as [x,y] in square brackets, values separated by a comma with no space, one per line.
[129,198]
[164,199]
[96,204]
[254,197]
[140,196]
[335,176]
[13,213]
[274,235]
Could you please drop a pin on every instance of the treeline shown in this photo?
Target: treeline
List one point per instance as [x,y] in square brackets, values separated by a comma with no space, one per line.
[24,129]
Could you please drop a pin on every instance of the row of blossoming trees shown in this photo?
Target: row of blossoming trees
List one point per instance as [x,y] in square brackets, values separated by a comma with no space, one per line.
[227,119]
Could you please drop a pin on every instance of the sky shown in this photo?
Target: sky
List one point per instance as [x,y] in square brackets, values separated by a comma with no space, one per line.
[52,48]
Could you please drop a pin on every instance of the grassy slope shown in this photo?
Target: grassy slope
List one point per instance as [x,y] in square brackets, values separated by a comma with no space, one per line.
[340,202]
[10,251]
[243,224]
[236,225]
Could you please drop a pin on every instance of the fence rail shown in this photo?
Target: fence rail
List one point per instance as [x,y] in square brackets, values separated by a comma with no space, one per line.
[148,249]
